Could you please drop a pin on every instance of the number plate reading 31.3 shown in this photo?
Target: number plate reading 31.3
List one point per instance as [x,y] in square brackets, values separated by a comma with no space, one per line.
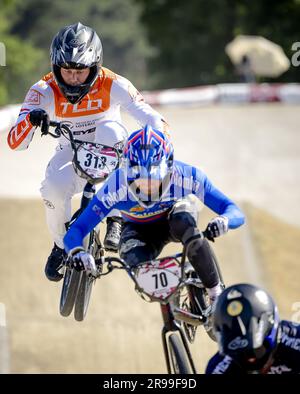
[159,278]
[96,160]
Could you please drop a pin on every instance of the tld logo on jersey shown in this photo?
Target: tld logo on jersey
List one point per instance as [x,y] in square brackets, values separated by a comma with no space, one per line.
[85,107]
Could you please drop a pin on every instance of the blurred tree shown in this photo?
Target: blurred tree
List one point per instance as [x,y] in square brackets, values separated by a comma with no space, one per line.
[116,22]
[27,28]
[21,58]
[190,36]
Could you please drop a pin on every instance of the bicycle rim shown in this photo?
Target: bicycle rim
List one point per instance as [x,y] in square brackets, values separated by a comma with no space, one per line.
[178,356]
[86,283]
[69,291]
[83,297]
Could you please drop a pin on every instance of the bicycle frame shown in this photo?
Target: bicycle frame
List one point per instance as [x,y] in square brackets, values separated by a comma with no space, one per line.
[171,323]
[93,162]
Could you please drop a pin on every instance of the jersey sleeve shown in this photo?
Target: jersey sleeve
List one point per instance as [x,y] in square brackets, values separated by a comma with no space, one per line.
[218,202]
[21,134]
[131,100]
[109,197]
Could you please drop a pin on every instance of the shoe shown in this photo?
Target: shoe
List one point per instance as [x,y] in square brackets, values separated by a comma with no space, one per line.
[113,234]
[54,263]
[208,325]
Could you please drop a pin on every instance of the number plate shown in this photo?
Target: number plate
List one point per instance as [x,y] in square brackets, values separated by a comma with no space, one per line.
[159,278]
[96,160]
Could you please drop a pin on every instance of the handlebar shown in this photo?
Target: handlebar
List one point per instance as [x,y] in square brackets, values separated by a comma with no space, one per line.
[59,128]
[121,264]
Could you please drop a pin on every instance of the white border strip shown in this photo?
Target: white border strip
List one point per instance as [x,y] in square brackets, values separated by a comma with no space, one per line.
[2,315]
[4,347]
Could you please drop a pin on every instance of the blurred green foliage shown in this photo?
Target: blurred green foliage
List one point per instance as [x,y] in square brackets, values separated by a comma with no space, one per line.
[190,36]
[154,43]
[30,26]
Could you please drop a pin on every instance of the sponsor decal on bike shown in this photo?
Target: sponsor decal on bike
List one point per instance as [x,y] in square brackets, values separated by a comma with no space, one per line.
[238,343]
[235,308]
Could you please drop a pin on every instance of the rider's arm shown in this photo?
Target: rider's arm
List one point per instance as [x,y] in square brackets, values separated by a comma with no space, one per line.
[218,202]
[130,99]
[94,213]
[106,199]
[20,135]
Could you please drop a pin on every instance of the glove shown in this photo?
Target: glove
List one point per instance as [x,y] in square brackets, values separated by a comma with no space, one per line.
[39,116]
[84,261]
[216,227]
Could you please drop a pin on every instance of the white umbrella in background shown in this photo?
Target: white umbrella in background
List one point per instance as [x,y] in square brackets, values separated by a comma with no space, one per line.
[266,58]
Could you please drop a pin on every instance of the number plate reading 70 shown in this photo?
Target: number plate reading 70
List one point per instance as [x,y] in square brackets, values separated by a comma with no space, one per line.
[159,278]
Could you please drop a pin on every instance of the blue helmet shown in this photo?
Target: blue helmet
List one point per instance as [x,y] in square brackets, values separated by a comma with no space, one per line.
[148,156]
[246,325]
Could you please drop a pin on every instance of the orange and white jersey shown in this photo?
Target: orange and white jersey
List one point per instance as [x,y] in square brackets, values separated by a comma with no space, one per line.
[107,96]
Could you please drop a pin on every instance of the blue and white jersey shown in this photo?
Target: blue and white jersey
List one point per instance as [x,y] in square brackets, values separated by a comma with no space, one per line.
[114,194]
[286,359]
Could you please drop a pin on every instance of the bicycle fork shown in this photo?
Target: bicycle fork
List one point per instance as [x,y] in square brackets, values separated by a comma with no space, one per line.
[171,325]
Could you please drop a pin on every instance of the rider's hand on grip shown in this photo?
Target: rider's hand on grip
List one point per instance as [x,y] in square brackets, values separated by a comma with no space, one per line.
[39,117]
[216,227]
[84,261]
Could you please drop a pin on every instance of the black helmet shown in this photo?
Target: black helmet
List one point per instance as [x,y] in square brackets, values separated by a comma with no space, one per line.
[246,325]
[76,46]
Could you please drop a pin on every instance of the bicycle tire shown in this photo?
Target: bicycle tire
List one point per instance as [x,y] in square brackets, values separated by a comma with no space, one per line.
[69,291]
[178,357]
[86,284]
[83,297]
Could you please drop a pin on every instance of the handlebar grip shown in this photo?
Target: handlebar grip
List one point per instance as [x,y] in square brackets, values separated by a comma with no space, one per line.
[45,127]
[53,123]
[207,236]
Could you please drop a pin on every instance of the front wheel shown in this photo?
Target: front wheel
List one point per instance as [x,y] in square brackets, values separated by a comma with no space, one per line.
[69,290]
[83,296]
[178,356]
[91,244]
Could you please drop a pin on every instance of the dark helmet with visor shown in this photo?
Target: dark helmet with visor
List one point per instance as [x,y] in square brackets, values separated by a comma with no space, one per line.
[76,47]
[246,325]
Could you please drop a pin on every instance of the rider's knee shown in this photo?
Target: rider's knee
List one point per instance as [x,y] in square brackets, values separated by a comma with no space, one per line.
[133,251]
[55,190]
[52,193]
[180,224]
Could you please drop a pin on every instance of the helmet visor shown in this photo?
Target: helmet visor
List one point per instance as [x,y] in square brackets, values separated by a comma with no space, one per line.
[153,172]
[148,184]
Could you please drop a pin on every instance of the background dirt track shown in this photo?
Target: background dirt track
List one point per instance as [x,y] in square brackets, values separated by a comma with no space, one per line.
[250,152]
